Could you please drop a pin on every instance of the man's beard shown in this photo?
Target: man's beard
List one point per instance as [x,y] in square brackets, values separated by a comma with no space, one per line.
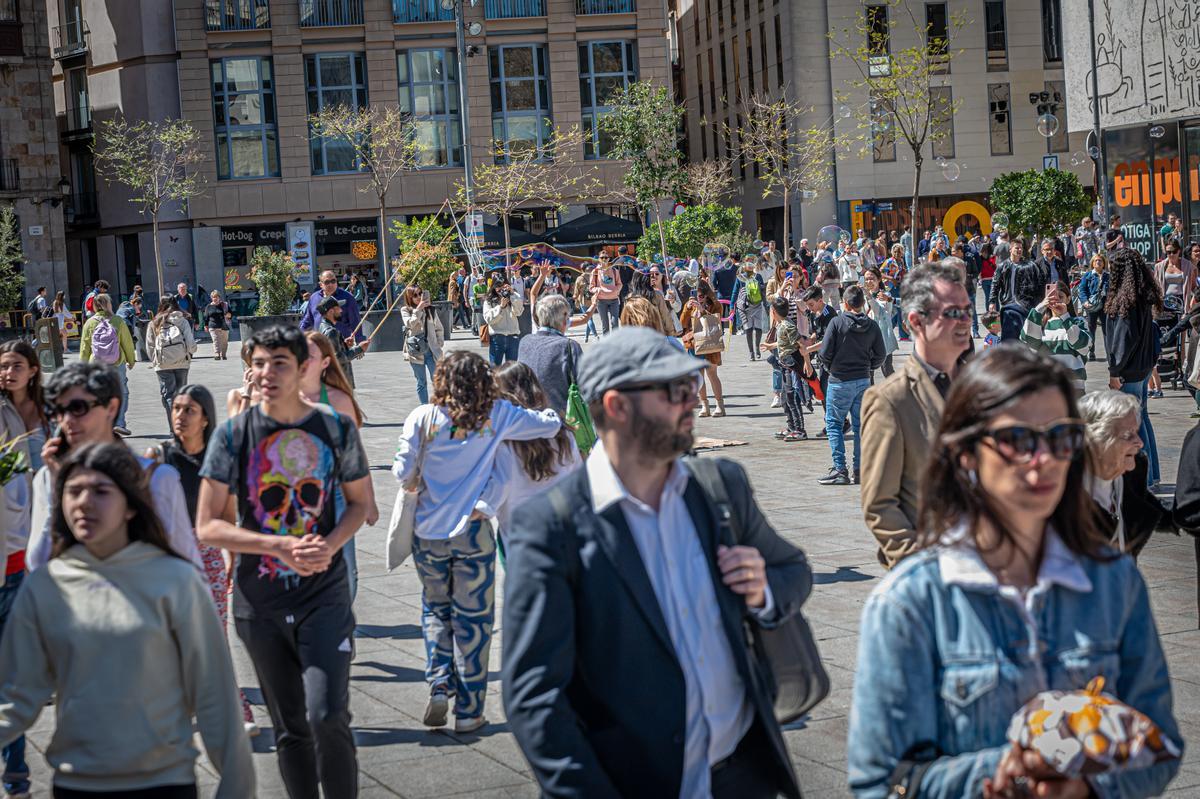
[656,439]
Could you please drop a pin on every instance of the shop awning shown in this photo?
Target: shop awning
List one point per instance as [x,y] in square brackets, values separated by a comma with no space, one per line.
[594,229]
[493,237]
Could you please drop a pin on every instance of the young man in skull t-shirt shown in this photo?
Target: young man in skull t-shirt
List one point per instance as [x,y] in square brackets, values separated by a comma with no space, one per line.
[283,459]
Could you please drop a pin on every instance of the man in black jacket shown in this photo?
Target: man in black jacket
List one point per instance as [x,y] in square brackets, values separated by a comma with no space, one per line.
[626,666]
[851,350]
[1017,286]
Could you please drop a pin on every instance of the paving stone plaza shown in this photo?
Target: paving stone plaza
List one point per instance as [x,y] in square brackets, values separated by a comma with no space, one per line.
[399,757]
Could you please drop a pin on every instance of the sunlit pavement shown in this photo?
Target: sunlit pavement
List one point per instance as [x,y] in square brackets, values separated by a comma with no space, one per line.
[399,757]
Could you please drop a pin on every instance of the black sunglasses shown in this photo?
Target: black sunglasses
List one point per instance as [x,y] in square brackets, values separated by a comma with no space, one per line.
[1020,444]
[678,391]
[76,408]
[953,314]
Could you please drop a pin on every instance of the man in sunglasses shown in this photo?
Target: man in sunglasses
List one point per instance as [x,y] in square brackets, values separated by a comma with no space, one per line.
[347,325]
[626,667]
[900,415]
[82,401]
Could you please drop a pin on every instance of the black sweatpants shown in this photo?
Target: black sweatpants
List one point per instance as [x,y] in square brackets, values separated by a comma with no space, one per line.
[303,667]
[793,404]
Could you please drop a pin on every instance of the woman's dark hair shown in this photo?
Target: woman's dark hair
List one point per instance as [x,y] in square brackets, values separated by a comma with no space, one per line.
[1131,284]
[541,457]
[493,292]
[1064,291]
[118,464]
[34,389]
[279,337]
[874,270]
[464,384]
[990,383]
[204,398]
[985,250]
[640,286]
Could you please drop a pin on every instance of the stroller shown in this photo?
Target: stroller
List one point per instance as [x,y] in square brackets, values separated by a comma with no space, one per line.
[1170,367]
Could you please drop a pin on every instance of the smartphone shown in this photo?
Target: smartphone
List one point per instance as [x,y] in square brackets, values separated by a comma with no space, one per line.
[424,296]
[56,432]
[788,275]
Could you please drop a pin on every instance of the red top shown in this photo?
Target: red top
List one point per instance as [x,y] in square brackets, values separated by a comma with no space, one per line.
[988,270]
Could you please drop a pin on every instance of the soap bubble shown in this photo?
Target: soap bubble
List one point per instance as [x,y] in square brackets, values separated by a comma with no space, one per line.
[844,111]
[951,171]
[831,234]
[1047,125]
[1157,132]
[1094,153]
[1078,158]
[758,244]
[1000,220]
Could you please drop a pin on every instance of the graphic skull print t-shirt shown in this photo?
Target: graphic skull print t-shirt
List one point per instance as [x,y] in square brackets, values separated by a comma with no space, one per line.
[284,476]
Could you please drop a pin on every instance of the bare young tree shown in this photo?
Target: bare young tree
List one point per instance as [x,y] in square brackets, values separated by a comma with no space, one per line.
[151,159]
[523,176]
[708,182]
[898,61]
[793,158]
[384,141]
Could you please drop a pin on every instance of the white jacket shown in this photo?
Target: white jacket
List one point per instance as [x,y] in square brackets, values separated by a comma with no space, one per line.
[503,321]
[427,320]
[180,320]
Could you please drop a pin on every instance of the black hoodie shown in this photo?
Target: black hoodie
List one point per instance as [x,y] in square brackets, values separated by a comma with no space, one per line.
[852,348]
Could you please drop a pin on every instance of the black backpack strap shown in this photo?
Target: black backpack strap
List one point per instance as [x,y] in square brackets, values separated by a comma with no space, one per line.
[708,474]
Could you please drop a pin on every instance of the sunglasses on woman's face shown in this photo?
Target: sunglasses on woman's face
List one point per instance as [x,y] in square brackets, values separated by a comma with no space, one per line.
[76,408]
[1021,443]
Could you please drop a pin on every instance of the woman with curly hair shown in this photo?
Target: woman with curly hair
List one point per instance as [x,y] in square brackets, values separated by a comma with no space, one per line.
[1131,336]
[446,454]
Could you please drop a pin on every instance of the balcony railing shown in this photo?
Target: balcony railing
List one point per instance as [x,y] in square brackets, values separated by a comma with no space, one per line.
[70,38]
[79,118]
[237,15]
[330,13]
[504,9]
[82,208]
[420,11]
[10,175]
[605,6]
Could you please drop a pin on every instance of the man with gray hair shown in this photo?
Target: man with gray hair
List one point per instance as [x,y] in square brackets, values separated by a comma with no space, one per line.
[900,415]
[549,353]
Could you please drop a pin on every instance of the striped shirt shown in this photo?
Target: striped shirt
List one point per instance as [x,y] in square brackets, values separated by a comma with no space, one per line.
[1064,338]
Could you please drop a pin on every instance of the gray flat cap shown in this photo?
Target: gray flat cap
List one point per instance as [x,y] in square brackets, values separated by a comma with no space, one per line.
[631,355]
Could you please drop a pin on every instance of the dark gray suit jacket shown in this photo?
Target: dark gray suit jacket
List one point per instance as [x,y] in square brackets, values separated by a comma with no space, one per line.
[592,687]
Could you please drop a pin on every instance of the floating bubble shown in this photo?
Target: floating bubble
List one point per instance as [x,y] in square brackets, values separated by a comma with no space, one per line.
[1094,153]
[758,244]
[1078,158]
[845,237]
[844,111]
[1000,220]
[831,233]
[950,171]
[1157,132]
[1047,125]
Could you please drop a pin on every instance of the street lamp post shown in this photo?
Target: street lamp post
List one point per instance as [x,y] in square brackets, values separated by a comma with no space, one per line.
[464,116]
[1099,158]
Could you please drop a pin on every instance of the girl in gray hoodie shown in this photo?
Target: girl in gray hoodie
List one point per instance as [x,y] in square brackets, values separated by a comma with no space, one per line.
[124,633]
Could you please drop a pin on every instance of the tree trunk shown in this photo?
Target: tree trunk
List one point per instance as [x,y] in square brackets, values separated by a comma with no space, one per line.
[384,264]
[787,213]
[157,256]
[507,246]
[912,243]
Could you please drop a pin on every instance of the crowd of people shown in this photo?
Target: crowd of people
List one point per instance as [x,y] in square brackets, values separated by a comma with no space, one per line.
[1008,505]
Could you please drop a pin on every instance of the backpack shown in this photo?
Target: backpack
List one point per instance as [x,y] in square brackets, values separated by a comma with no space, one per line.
[753,292]
[170,343]
[106,347]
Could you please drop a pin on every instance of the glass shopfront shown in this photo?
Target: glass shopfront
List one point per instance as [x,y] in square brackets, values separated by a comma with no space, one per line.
[1146,184]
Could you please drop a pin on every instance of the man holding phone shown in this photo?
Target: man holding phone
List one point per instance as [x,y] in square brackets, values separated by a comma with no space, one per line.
[329,310]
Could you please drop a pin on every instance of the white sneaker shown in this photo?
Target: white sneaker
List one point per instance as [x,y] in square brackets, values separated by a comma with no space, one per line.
[251,729]
[775,403]
[436,710]
[464,726]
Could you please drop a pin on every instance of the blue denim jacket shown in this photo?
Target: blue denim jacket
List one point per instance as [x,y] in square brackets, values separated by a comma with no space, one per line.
[1092,284]
[947,656]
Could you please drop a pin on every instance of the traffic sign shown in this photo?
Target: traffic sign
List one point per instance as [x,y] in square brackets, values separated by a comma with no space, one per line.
[883,206]
[1049,162]
[475,226]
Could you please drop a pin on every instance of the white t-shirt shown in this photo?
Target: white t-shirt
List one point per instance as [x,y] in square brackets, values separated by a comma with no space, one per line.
[509,473]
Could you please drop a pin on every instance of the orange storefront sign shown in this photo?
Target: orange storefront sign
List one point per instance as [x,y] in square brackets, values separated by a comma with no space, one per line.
[1132,186]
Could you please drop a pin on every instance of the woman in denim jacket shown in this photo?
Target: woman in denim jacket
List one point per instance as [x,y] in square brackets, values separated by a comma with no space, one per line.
[1013,592]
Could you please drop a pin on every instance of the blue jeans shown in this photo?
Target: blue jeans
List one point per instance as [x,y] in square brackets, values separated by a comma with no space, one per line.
[1145,430]
[123,378]
[503,348]
[419,370]
[986,282]
[776,380]
[842,398]
[16,772]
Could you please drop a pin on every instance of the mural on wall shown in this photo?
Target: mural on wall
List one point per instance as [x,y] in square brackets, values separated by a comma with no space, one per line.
[1147,61]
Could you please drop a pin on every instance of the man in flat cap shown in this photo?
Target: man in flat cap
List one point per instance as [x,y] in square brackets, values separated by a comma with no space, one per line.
[626,665]
[329,311]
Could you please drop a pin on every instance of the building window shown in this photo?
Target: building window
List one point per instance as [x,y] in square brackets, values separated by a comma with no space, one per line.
[995,35]
[779,53]
[1052,31]
[429,92]
[883,146]
[937,33]
[941,107]
[520,99]
[1060,142]
[750,62]
[712,85]
[999,119]
[334,79]
[621,211]
[762,51]
[737,70]
[244,118]
[879,41]
[605,70]
[724,75]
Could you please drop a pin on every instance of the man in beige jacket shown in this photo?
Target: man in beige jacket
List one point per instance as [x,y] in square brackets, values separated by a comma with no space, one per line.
[900,415]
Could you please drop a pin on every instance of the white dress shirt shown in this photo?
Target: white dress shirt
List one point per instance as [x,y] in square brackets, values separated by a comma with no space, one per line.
[718,710]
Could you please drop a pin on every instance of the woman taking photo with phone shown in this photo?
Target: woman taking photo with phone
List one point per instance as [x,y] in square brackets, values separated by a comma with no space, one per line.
[502,309]
[697,318]
[122,633]
[423,337]
[1012,591]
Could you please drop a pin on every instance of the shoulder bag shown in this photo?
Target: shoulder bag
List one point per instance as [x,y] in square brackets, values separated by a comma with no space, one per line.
[707,334]
[788,650]
[578,417]
[403,523]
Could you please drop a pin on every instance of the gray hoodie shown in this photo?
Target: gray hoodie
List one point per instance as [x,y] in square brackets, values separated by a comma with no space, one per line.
[132,647]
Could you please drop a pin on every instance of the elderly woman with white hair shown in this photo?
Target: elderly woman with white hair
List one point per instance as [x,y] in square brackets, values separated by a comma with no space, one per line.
[1116,474]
